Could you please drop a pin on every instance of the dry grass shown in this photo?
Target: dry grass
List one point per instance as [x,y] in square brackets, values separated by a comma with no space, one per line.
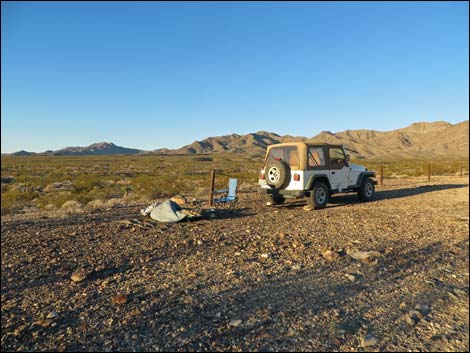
[99,181]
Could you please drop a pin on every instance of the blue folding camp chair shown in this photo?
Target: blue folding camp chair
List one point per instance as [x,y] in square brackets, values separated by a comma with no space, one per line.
[227,198]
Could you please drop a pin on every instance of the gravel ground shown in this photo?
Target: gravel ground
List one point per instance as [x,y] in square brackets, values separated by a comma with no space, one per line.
[263,279]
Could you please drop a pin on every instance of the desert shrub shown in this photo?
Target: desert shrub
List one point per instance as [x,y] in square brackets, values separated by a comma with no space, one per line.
[50,207]
[155,186]
[16,199]
[113,202]
[103,204]
[96,205]
[85,183]
[71,206]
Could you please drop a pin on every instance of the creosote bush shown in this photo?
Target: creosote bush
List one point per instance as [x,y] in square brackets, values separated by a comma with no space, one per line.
[71,207]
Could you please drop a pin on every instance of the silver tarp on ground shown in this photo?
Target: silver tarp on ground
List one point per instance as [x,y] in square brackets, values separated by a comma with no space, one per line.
[168,211]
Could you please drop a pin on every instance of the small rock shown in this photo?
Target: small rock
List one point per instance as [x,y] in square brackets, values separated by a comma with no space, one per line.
[119,299]
[353,277]
[413,317]
[135,312]
[366,257]
[330,255]
[264,256]
[19,329]
[337,329]
[43,323]
[422,308]
[79,275]
[308,208]
[52,315]
[235,323]
[460,292]
[291,332]
[368,341]
[336,312]
[402,305]
[296,267]
[281,236]
[452,297]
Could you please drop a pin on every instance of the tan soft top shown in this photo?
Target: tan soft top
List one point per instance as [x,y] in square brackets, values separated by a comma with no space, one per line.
[302,148]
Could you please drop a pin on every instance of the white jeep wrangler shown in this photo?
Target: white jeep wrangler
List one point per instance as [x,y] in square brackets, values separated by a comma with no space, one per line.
[314,171]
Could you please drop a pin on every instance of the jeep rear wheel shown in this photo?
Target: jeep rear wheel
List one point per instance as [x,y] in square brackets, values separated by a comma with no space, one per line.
[319,196]
[367,190]
[274,199]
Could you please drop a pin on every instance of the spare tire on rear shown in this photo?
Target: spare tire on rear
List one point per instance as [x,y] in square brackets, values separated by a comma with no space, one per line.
[277,174]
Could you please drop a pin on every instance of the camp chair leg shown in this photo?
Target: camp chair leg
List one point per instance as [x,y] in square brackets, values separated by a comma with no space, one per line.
[234,206]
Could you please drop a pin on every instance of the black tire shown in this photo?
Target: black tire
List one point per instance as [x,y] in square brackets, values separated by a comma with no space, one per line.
[277,174]
[275,199]
[367,190]
[319,195]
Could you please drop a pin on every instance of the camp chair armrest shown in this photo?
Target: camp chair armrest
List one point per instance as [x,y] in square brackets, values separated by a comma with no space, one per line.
[221,191]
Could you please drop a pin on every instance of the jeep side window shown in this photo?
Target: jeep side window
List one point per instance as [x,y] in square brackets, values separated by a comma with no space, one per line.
[316,158]
[337,157]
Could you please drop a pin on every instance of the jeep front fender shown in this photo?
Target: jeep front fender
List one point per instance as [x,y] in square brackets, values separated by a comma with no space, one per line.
[363,175]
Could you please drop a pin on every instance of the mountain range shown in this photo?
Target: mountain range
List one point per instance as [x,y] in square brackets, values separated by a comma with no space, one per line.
[421,140]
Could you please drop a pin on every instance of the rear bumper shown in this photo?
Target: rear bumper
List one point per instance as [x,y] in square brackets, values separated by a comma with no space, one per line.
[288,193]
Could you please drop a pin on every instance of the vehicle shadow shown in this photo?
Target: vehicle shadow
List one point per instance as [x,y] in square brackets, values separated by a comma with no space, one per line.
[394,194]
[352,198]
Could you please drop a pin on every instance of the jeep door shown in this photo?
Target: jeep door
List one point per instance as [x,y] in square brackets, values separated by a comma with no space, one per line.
[338,168]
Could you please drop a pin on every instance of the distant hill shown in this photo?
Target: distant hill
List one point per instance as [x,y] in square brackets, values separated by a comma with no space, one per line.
[23,153]
[95,149]
[254,143]
[101,148]
[418,141]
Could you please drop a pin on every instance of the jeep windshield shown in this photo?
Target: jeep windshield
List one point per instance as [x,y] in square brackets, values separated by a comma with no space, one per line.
[288,154]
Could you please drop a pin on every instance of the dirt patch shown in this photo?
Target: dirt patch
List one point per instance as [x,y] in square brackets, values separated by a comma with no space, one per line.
[255,280]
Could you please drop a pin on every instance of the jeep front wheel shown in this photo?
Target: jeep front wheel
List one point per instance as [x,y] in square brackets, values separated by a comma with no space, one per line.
[367,190]
[319,196]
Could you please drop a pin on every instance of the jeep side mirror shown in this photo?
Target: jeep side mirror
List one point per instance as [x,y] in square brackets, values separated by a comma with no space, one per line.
[348,158]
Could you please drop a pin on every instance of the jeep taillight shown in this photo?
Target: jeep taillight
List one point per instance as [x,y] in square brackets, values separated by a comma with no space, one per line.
[296,177]
[261,175]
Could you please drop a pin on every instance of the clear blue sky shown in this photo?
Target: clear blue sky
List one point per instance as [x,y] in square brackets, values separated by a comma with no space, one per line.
[151,75]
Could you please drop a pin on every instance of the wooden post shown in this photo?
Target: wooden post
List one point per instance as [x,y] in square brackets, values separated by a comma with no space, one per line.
[382,175]
[211,189]
[429,171]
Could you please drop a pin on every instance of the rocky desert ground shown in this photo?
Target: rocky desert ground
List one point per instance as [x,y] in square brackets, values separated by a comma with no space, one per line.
[388,275]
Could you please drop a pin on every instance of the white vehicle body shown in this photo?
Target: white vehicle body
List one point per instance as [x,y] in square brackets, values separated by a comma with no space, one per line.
[340,180]
[303,165]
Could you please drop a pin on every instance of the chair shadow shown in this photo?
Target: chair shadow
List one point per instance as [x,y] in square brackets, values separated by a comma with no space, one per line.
[233,213]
